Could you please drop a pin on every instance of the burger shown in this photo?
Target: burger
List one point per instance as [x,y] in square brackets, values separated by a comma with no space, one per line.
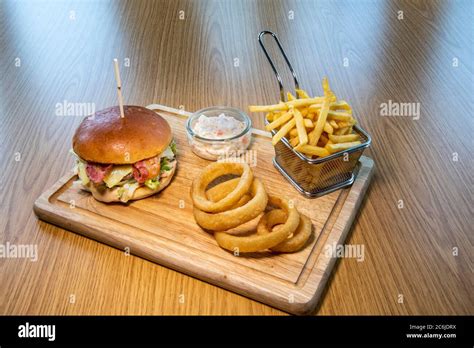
[119,159]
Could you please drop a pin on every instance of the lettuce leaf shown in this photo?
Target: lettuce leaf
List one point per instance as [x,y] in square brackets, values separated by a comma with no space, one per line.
[153,183]
[168,153]
[173,147]
[126,191]
[164,165]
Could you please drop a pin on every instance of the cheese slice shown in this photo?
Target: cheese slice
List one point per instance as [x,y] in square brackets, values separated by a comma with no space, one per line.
[117,174]
[81,172]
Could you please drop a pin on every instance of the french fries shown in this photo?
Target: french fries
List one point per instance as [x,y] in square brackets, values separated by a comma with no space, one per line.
[334,124]
[313,150]
[332,148]
[328,128]
[318,129]
[302,94]
[279,121]
[283,131]
[308,123]
[302,136]
[285,106]
[314,126]
[339,116]
[344,138]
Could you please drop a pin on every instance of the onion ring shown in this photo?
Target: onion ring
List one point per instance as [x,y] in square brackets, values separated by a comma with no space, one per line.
[221,190]
[232,218]
[242,201]
[259,242]
[295,242]
[212,172]
[271,219]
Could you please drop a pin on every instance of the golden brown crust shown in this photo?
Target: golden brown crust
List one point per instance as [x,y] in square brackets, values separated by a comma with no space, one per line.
[107,138]
[110,194]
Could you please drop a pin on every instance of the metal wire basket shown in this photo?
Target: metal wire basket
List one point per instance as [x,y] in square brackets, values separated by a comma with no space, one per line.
[313,177]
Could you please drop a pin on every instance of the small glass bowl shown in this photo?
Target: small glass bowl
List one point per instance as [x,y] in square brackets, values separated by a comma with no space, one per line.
[217,149]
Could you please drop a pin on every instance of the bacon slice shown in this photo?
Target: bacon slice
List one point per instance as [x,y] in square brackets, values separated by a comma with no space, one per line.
[96,172]
[140,173]
[146,169]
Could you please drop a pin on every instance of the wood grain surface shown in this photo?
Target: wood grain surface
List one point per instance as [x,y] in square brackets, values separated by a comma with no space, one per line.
[415,223]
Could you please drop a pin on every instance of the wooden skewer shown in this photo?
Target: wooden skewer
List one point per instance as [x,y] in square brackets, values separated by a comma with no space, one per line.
[119,87]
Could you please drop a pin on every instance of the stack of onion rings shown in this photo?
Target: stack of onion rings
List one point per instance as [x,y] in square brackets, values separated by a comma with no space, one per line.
[239,200]
[230,203]
[236,215]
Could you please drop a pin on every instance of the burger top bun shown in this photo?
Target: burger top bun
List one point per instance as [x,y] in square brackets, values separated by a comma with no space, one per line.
[107,138]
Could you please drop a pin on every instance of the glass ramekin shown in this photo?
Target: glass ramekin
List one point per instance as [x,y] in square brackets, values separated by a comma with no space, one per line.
[217,149]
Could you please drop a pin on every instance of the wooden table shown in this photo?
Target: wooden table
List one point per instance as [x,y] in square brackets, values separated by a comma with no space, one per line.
[415,223]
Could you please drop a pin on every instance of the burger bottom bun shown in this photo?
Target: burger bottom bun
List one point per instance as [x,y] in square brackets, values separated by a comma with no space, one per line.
[110,194]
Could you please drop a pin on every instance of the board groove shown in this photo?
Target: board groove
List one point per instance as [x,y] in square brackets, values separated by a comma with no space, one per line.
[291,282]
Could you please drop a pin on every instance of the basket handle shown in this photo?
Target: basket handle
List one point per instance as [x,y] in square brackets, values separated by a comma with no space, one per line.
[280,82]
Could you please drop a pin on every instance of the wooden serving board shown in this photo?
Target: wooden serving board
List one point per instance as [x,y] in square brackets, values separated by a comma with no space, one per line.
[162,228]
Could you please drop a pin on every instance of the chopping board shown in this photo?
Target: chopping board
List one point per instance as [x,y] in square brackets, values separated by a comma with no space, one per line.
[162,229]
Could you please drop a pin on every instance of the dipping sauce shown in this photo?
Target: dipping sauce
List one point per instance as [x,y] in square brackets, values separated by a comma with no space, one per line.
[220,127]
[219,133]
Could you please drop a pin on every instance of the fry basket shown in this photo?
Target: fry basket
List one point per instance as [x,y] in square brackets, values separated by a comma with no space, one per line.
[313,177]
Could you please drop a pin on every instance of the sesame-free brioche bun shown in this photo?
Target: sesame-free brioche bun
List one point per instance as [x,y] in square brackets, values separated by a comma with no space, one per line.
[107,138]
[109,195]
